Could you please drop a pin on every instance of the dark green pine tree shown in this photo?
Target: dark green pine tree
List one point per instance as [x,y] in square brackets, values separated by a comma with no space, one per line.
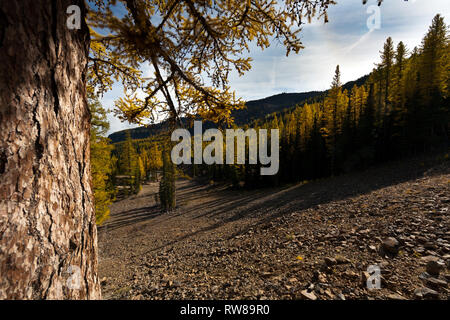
[167,183]
[367,130]
[433,68]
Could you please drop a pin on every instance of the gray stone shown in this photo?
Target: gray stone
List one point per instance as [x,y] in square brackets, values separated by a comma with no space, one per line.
[426,293]
[308,295]
[342,260]
[341,296]
[429,258]
[390,245]
[395,296]
[424,276]
[330,261]
[435,283]
[434,267]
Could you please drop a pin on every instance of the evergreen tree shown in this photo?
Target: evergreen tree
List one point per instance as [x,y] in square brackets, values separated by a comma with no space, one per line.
[155,161]
[386,65]
[167,183]
[433,60]
[102,165]
[129,164]
[332,109]
[397,138]
[398,96]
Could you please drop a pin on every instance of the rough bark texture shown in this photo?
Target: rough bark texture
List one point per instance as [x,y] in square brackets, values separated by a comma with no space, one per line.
[47,220]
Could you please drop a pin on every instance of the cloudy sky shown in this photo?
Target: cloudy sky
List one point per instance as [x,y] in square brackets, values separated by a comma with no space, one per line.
[353,38]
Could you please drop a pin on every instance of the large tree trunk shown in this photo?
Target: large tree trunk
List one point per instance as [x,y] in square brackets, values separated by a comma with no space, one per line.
[48,236]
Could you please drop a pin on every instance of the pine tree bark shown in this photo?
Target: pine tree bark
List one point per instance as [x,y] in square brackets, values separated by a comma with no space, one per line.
[48,236]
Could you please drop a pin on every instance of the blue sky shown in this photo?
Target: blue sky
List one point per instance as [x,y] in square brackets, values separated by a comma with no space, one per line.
[346,40]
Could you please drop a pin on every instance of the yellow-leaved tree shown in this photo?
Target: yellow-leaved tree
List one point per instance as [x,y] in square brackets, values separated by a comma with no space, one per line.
[102,165]
[191,47]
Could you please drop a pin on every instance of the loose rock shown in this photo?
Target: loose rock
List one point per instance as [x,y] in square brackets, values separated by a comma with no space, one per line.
[426,293]
[330,261]
[390,245]
[308,295]
[434,267]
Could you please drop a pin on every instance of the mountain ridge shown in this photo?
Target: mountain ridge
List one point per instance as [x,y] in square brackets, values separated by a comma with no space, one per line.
[255,109]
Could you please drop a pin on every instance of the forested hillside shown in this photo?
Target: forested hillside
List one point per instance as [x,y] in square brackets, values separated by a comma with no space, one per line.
[401,109]
[254,109]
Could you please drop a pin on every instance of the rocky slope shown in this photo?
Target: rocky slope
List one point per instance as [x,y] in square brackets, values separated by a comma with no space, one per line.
[308,241]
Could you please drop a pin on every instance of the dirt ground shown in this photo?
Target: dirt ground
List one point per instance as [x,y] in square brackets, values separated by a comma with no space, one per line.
[305,241]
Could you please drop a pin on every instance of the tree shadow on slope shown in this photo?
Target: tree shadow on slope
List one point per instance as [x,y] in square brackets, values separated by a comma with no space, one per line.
[267,204]
[131,217]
